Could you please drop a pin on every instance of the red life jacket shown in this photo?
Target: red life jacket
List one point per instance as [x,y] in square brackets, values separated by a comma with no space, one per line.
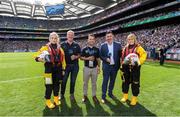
[54,52]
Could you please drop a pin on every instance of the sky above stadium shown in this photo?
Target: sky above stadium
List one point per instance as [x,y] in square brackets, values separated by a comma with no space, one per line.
[43,2]
[51,1]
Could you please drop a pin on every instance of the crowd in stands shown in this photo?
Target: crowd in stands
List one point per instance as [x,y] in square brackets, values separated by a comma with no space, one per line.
[61,24]
[150,39]
[10,22]
[124,5]
[152,17]
[153,39]
[20,46]
[41,34]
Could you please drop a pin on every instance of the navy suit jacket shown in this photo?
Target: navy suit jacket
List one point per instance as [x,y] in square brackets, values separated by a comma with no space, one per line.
[104,54]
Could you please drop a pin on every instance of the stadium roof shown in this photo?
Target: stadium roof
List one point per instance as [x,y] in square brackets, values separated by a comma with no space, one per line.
[36,8]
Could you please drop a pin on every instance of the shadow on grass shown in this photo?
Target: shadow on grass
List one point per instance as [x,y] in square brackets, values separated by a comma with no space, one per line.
[171,66]
[96,110]
[121,110]
[51,112]
[117,109]
[74,110]
[64,110]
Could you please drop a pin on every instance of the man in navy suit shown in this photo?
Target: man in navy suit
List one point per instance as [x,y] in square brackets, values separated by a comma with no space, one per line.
[110,53]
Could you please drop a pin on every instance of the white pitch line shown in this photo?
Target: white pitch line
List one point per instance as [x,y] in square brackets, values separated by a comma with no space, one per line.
[15,80]
[23,79]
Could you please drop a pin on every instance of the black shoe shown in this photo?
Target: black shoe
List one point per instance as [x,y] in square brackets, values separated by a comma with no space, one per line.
[95,100]
[72,98]
[112,96]
[85,98]
[61,97]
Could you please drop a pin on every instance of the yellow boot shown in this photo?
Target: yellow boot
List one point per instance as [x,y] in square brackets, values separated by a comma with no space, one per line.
[124,98]
[56,100]
[133,101]
[49,104]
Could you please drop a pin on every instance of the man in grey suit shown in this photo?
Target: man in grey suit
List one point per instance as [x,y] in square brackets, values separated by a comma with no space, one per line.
[110,53]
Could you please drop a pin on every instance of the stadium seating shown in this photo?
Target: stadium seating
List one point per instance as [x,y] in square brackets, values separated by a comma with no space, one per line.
[20,34]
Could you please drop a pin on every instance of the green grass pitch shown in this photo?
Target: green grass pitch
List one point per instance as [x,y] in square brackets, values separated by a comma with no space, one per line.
[22,91]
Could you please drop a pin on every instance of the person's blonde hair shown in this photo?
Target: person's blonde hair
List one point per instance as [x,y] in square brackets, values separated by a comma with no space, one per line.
[132,35]
[54,33]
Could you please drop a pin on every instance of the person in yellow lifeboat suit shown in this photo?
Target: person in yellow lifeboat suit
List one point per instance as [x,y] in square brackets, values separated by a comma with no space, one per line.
[52,55]
[133,56]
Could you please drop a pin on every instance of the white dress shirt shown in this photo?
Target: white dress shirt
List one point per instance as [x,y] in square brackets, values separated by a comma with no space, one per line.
[111,51]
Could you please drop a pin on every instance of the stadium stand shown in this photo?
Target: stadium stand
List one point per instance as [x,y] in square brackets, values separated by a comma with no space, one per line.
[155,27]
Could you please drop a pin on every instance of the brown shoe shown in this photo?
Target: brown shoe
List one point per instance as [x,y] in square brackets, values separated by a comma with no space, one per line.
[95,100]
[84,98]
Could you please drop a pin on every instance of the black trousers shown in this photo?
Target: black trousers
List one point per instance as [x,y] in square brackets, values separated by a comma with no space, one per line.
[72,71]
[162,58]
[131,77]
[56,72]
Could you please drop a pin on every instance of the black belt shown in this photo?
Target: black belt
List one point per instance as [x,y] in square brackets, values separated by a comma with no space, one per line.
[90,67]
[71,64]
[111,65]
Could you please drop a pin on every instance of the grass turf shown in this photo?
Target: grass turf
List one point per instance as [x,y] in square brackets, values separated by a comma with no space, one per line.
[22,91]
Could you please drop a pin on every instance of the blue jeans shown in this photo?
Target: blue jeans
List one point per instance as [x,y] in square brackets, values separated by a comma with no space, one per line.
[109,74]
[72,69]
